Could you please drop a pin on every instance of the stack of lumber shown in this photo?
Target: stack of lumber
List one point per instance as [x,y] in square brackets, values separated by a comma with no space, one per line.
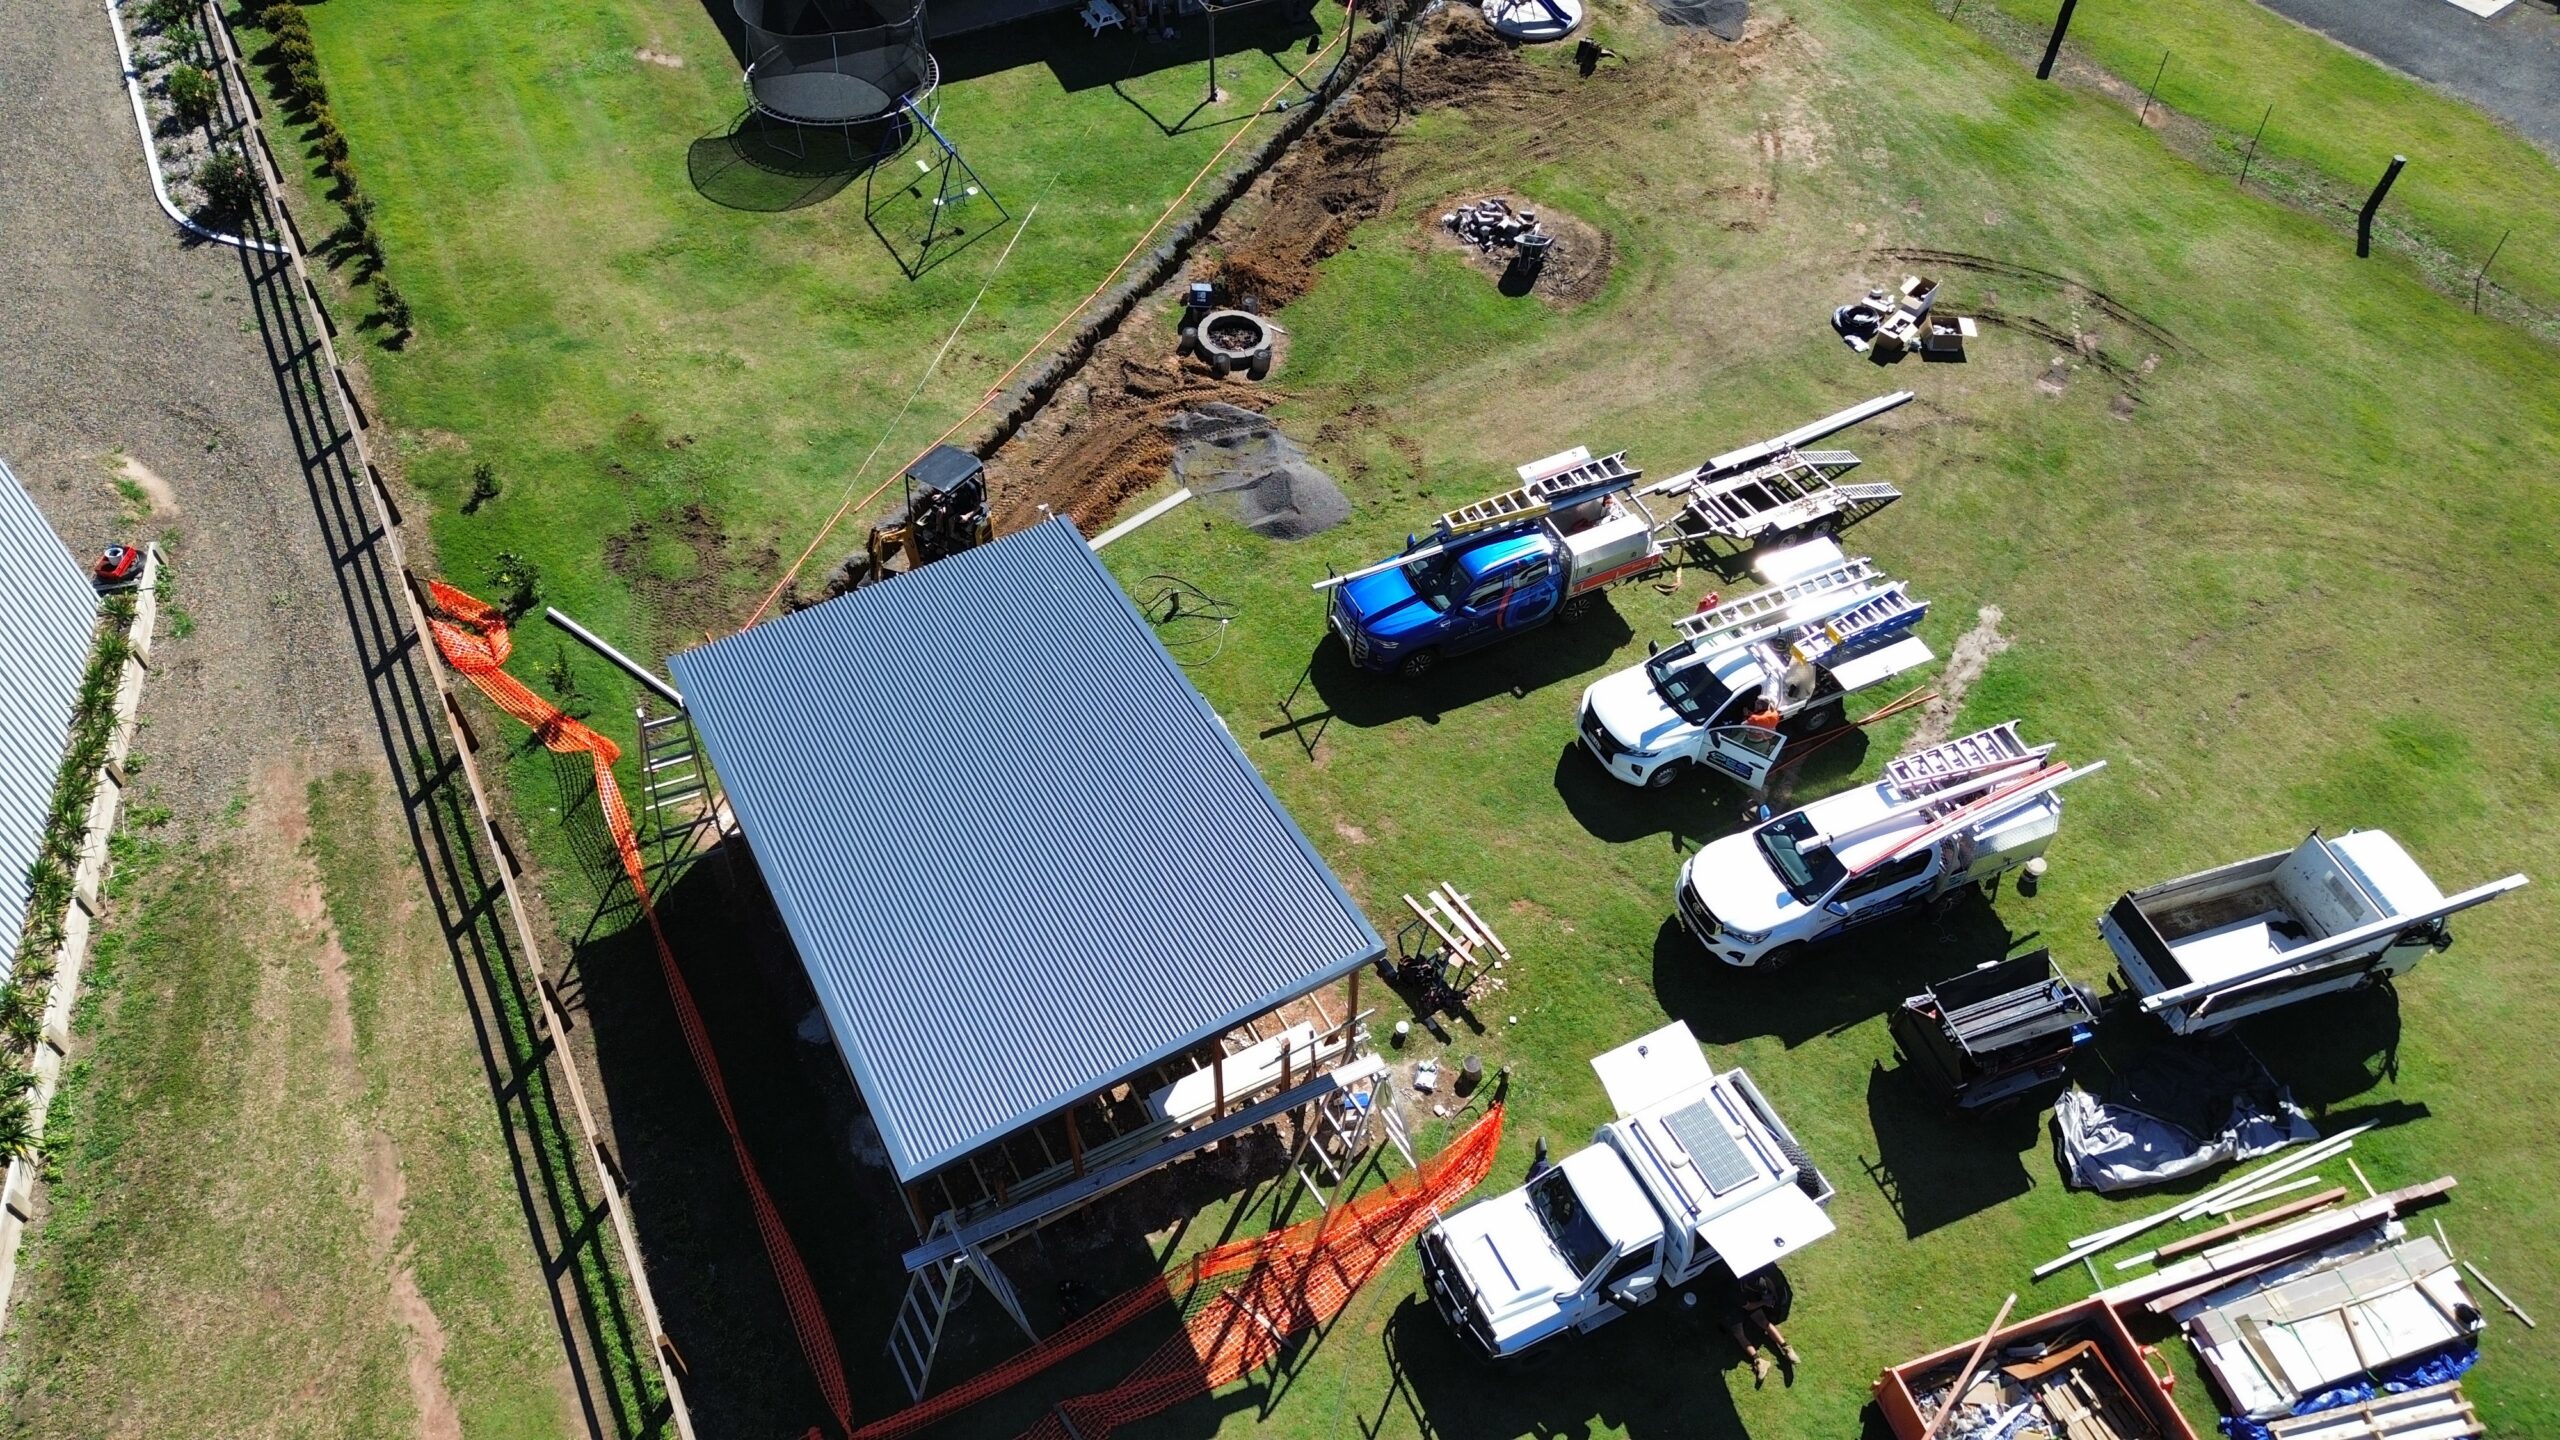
[2438,1412]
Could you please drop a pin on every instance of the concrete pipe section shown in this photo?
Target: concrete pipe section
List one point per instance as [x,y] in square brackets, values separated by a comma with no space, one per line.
[1233,341]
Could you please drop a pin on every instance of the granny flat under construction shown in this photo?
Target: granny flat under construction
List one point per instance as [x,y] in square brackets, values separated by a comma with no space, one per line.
[1061,931]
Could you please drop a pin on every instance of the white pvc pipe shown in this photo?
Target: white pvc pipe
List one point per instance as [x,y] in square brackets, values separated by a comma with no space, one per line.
[151,152]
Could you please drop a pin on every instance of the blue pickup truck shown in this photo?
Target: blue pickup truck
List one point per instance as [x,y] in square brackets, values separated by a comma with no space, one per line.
[1498,567]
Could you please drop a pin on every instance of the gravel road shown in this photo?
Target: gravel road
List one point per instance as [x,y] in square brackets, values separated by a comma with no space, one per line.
[2508,66]
[117,342]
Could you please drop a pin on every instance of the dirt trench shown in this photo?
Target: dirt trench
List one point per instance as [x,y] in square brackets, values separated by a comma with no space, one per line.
[1102,440]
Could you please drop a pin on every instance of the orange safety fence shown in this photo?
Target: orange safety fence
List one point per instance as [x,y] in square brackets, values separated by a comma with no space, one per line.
[1294,1281]
[473,638]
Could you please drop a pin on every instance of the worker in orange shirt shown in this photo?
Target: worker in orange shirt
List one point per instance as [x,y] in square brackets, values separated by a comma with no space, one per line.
[1764,714]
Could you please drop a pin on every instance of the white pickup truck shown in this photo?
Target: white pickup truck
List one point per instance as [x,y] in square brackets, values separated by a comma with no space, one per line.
[1826,626]
[1955,814]
[1696,1172]
[2209,949]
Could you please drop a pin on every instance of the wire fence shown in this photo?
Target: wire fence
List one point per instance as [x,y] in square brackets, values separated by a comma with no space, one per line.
[2293,143]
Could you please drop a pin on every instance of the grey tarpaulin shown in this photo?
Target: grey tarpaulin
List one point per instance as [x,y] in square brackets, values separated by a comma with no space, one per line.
[2175,1111]
[1720,18]
[1240,462]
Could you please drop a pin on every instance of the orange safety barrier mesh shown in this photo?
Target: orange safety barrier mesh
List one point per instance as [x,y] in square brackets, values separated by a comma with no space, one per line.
[1294,1281]
[473,638]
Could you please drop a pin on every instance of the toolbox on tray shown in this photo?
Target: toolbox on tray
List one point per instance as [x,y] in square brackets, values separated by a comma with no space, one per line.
[1996,1032]
[2076,1370]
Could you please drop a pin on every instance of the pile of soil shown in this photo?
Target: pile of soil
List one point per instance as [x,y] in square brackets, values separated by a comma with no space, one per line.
[1576,268]
[1240,463]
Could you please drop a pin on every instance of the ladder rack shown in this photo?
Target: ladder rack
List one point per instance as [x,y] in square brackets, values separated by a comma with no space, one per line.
[1925,772]
[1541,495]
[1765,613]
[1892,605]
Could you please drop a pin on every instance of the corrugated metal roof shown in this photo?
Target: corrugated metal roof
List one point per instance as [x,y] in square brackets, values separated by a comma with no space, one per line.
[1020,855]
[48,621]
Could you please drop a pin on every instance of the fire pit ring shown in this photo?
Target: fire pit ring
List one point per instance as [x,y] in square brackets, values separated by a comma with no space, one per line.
[1232,340]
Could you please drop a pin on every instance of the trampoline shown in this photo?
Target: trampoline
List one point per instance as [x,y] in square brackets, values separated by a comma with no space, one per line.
[834,62]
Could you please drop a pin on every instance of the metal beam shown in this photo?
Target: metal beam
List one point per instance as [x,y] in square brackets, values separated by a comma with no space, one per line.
[1025,1214]
[624,663]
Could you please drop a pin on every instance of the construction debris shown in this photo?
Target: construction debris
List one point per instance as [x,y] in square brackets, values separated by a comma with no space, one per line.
[2110,1238]
[1890,326]
[1491,223]
[2287,1334]
[2433,1412]
[2492,1287]
[2173,1111]
[2073,1374]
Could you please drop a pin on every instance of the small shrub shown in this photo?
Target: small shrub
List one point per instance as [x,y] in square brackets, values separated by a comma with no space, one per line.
[393,305]
[326,136]
[230,187]
[162,14]
[519,580]
[559,674]
[302,82]
[282,18]
[296,49]
[484,487]
[191,93]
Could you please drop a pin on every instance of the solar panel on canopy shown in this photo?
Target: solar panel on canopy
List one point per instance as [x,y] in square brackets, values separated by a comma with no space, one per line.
[1700,1131]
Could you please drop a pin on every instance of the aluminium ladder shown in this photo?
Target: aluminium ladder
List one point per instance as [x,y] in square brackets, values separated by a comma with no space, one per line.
[675,790]
[1763,614]
[1925,772]
[1540,495]
[933,1292]
[1889,606]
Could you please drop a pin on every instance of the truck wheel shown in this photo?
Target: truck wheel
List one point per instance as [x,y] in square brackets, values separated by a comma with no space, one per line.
[1577,608]
[1808,1179]
[1417,664]
[1671,773]
[1780,958]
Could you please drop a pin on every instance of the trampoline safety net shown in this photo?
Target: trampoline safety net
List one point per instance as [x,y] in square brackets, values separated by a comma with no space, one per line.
[834,62]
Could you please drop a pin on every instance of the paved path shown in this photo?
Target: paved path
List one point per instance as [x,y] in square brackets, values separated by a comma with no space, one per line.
[2508,66]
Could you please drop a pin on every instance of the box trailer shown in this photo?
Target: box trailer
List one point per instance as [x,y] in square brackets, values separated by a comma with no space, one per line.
[2078,1366]
[2210,949]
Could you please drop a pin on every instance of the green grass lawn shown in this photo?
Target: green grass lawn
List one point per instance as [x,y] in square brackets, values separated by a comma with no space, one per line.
[276,1173]
[618,347]
[2305,581]
[2339,115]
[2305,584]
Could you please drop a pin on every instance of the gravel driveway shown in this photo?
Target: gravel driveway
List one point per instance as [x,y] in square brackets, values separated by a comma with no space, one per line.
[2508,66]
[116,340]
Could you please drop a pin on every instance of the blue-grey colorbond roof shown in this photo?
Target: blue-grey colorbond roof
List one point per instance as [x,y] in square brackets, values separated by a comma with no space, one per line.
[1019,854]
[48,625]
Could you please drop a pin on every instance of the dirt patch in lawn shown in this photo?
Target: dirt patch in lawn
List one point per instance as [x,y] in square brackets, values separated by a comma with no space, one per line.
[280,802]
[1576,268]
[678,564]
[1972,656]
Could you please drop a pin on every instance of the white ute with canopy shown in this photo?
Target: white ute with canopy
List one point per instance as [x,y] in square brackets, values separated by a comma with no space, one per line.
[2208,949]
[1828,625]
[1696,1172]
[1956,814]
